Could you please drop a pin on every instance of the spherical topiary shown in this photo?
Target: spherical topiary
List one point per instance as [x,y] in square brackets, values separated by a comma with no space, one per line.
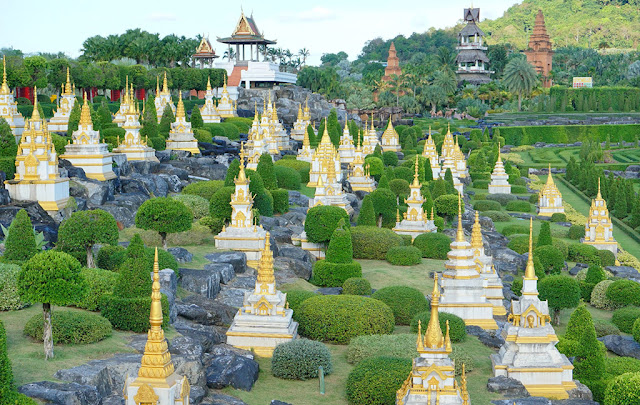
[457,327]
[322,221]
[514,229]
[20,244]
[404,255]
[338,318]
[558,217]
[519,206]
[550,258]
[624,292]
[599,296]
[405,302]
[623,390]
[607,258]
[287,177]
[356,286]
[433,245]
[447,205]
[371,242]
[624,318]
[400,187]
[297,297]
[576,232]
[376,380]
[604,328]
[70,327]
[299,359]
[487,205]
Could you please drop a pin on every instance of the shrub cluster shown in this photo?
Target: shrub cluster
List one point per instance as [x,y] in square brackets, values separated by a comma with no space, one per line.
[131,313]
[9,297]
[299,359]
[624,292]
[287,177]
[457,327]
[550,258]
[404,255]
[497,216]
[356,286]
[374,381]
[520,243]
[99,283]
[624,318]
[581,253]
[558,217]
[604,328]
[322,221]
[110,257]
[599,296]
[370,242]
[198,205]
[433,245]
[405,302]
[204,189]
[576,232]
[297,297]
[486,205]
[514,229]
[280,200]
[70,327]
[519,206]
[623,390]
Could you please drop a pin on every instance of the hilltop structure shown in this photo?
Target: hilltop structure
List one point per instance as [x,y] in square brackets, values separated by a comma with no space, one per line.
[473,63]
[598,231]
[540,53]
[9,107]
[60,120]
[163,98]
[549,198]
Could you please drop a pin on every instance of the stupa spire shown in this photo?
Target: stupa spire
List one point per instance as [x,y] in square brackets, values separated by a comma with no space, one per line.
[416,182]
[463,387]
[265,266]
[5,87]
[476,234]
[209,83]
[460,233]
[180,113]
[67,86]
[241,179]
[36,114]
[599,196]
[165,87]
[433,338]
[530,272]
[85,114]
[499,154]
[157,85]
[549,178]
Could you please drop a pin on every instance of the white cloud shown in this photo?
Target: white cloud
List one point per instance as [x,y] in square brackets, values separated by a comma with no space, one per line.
[159,17]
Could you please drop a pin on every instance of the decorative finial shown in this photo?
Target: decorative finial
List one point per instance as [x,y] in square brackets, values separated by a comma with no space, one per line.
[180,110]
[5,87]
[420,342]
[209,83]
[36,114]
[85,114]
[530,272]
[433,337]
[460,233]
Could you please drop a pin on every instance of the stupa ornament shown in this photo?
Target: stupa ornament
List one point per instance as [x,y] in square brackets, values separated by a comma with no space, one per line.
[226,107]
[181,135]
[8,106]
[415,221]
[259,138]
[120,115]
[302,122]
[499,178]
[430,152]
[359,177]
[60,120]
[346,149]
[324,156]
[305,153]
[330,193]
[133,145]
[598,231]
[549,198]
[163,98]
[208,111]
[390,140]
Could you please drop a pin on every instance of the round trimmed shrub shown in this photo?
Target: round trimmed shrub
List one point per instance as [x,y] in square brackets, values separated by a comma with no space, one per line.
[486,205]
[297,297]
[99,283]
[110,257]
[550,258]
[400,187]
[533,198]
[503,199]
[616,366]
[497,216]
[624,318]
[599,296]
[520,243]
[280,200]
[446,205]
[581,253]
[405,302]
[635,330]
[518,189]
[515,229]
[329,274]
[457,327]
[404,255]
[338,318]
[199,206]
[604,328]
[558,217]
[9,296]
[356,286]
[607,258]
[624,292]
[287,177]
[623,390]
[576,232]
[519,206]
[376,380]
[371,242]
[433,245]
[299,359]
[390,158]
[322,221]
[70,327]
[407,240]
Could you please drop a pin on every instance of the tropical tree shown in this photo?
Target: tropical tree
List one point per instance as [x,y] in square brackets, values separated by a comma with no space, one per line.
[304,54]
[520,77]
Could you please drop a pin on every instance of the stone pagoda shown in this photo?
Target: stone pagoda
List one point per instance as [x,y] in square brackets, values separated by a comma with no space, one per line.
[549,198]
[163,98]
[529,353]
[242,234]
[464,289]
[598,231]
[432,378]
[484,265]
[430,152]
[539,52]
[87,152]
[125,102]
[264,320]
[133,145]
[226,107]
[157,382]
[359,177]
[60,120]
[346,150]
[390,140]
[305,153]
[393,64]
[415,221]
[302,122]
[181,135]
[8,107]
[324,155]
[37,177]
[330,193]
[499,178]
[473,63]
[208,111]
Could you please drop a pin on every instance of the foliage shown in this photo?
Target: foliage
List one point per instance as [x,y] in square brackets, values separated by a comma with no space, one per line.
[550,258]
[20,244]
[297,297]
[110,257]
[624,318]
[8,146]
[485,205]
[214,224]
[635,330]
[497,216]
[329,274]
[447,205]
[199,206]
[515,229]
[607,258]
[405,302]
[370,242]
[624,292]
[558,217]
[561,292]
[70,327]
[595,274]
[581,253]
[356,286]
[544,237]
[589,362]
[322,221]
[164,215]
[623,390]
[604,328]
[579,321]
[280,200]
[385,206]
[519,206]
[396,345]
[219,205]
[400,187]
[9,298]
[299,359]
[131,313]
[433,245]
[99,282]
[367,215]
[576,232]
[196,118]
[86,228]
[374,381]
[300,166]
[287,177]
[599,296]
[265,169]
[457,327]
[404,255]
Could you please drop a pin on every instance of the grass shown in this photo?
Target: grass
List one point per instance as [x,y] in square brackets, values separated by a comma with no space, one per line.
[382,274]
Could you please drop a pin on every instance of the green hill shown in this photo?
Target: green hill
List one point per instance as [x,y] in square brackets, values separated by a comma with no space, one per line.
[581,23]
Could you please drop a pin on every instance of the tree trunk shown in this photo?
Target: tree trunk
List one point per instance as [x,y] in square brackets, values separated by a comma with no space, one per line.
[163,235]
[47,331]
[380,221]
[519,101]
[556,317]
[90,263]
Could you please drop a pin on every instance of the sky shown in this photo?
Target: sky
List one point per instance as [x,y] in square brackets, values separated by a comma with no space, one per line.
[327,26]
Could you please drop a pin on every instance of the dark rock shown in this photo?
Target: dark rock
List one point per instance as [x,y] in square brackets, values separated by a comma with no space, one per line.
[197,394]
[144,166]
[181,255]
[487,338]
[171,170]
[575,402]
[581,392]
[579,266]
[523,401]
[280,234]
[186,346]
[96,192]
[205,311]
[227,367]
[621,345]
[113,400]
[41,221]
[329,291]
[624,272]
[507,386]
[206,335]
[225,270]
[61,394]
[124,206]
[237,259]
[174,185]
[203,282]
[276,402]
[268,223]
[295,252]
[222,399]
[288,268]
[154,183]
[508,260]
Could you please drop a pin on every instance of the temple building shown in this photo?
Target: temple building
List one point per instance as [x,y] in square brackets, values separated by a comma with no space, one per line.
[464,289]
[208,111]
[359,177]
[302,122]
[181,135]
[539,52]
[484,265]
[415,221]
[430,152]
[529,353]
[549,198]
[346,150]
[157,381]
[330,193]
[226,106]
[163,98]
[499,178]
[451,149]
[87,152]
[205,54]
[242,234]
[432,378]
[390,140]
[133,145]
[324,155]
[473,63]
[120,115]
[37,177]
[264,320]
[8,107]
[60,120]
[598,231]
[373,137]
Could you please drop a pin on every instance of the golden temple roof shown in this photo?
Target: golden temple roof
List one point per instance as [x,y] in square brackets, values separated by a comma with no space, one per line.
[265,266]
[85,114]
[550,187]
[4,90]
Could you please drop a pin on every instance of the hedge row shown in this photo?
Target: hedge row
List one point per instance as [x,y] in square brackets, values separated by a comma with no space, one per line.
[529,135]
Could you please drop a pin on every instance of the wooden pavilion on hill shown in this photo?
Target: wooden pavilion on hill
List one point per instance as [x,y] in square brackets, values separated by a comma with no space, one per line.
[205,54]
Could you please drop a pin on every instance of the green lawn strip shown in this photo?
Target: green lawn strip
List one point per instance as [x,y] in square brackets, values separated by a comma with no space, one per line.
[308,191]
[382,274]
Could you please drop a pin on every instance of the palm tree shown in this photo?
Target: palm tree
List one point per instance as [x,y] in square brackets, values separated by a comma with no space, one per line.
[229,54]
[520,77]
[304,54]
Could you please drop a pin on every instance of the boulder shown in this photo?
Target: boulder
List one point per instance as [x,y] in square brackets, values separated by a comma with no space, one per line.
[60,393]
[624,272]
[281,234]
[276,402]
[94,191]
[41,221]
[144,166]
[237,259]
[227,366]
[506,386]
[203,282]
[487,338]
[268,223]
[154,183]
[575,402]
[329,291]
[576,269]
[289,269]
[292,218]
[208,336]
[621,345]
[225,270]
[168,169]
[113,400]
[186,346]
[205,311]
[222,399]
[581,392]
[181,255]
[507,260]
[295,252]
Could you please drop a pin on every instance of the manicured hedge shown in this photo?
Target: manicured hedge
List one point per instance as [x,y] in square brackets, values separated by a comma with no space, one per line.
[404,255]
[356,286]
[503,199]
[339,318]
[328,274]
[433,245]
[198,205]
[322,221]
[297,297]
[497,216]
[604,328]
[520,243]
[110,257]
[607,258]
[486,205]
[550,258]
[375,381]
[624,318]
[299,359]
[624,292]
[519,206]
[623,390]
[559,217]
[9,296]
[370,242]
[568,133]
[457,327]
[405,302]
[99,283]
[576,232]
[515,229]
[287,177]
[581,253]
[205,189]
[71,327]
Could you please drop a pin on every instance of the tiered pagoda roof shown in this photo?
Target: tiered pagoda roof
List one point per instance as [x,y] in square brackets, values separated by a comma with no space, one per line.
[246,32]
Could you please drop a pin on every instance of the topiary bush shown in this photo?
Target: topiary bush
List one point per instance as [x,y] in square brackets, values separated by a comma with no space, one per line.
[297,297]
[339,318]
[604,328]
[581,253]
[518,189]
[131,313]
[433,245]
[624,318]
[205,189]
[400,187]
[561,292]
[481,184]
[110,257]
[607,258]
[576,232]
[329,274]
[9,297]
[558,217]
[20,244]
[384,205]
[562,247]
[550,258]
[405,302]
[375,381]
[198,205]
[497,216]
[599,296]
[299,359]
[624,292]
[370,242]
[99,283]
[623,390]
[457,327]
[519,206]
[446,205]
[287,177]
[322,220]
[280,200]
[356,286]
[486,205]
[404,255]
[70,327]
[520,243]
[515,229]
[220,203]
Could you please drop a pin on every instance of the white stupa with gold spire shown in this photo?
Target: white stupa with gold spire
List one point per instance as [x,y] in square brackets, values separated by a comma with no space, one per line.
[450,163]
[86,151]
[242,234]
[430,152]
[306,152]
[367,147]
[37,177]
[330,193]
[499,178]
[390,140]
[598,231]
[302,122]
[60,120]
[451,150]
[163,98]
[484,265]
[268,129]
[373,137]
[208,111]
[346,150]
[415,221]
[264,320]
[133,145]
[226,107]
[529,353]
[276,129]
[8,107]
[257,142]
[181,135]
[461,161]
[359,177]
[432,378]
[323,156]
[464,289]
[157,381]
[549,198]
[120,116]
